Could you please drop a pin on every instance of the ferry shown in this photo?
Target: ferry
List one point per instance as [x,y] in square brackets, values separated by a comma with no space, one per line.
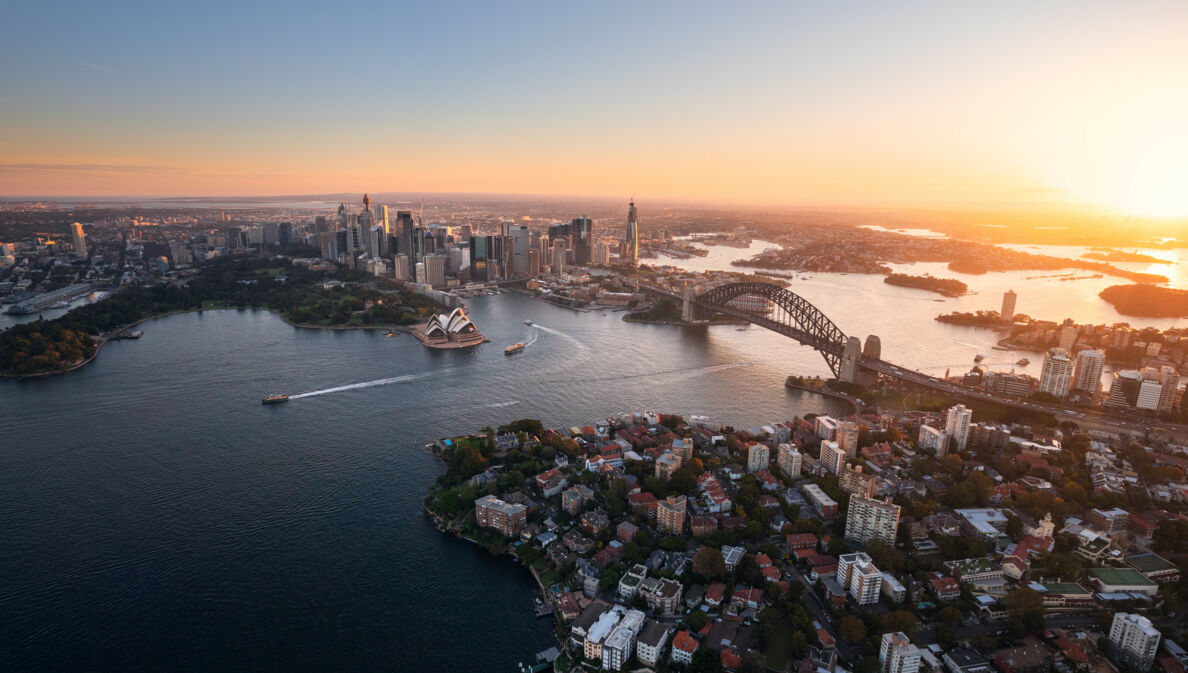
[514,348]
[275,399]
[979,357]
[1023,362]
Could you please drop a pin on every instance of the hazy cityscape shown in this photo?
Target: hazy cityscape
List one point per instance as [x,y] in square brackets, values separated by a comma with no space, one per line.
[687,350]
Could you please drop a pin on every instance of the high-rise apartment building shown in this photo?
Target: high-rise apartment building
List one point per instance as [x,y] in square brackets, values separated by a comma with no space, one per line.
[832,457]
[435,270]
[670,514]
[868,519]
[858,574]
[847,438]
[1124,391]
[1056,377]
[758,456]
[1087,372]
[1134,640]
[789,460]
[1008,306]
[1169,379]
[897,654]
[931,440]
[957,425]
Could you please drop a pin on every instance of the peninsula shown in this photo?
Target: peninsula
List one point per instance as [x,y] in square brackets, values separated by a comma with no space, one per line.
[948,287]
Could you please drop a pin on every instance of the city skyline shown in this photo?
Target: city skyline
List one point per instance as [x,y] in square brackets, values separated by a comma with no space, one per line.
[1060,107]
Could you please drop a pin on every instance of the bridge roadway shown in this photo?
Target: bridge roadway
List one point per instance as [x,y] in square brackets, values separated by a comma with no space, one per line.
[1087,419]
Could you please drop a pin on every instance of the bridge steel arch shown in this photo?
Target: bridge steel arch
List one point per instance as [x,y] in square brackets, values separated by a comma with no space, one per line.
[791,315]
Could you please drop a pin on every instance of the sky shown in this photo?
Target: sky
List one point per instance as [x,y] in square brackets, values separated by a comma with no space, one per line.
[1009,104]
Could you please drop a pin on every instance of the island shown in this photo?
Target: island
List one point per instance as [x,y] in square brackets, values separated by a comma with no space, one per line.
[990,319]
[948,287]
[304,292]
[1147,301]
[1122,256]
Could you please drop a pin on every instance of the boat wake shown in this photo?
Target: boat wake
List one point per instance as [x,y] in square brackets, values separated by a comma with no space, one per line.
[497,405]
[563,335]
[353,386]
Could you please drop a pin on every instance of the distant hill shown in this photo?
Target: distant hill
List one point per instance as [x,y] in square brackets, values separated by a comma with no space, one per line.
[1147,301]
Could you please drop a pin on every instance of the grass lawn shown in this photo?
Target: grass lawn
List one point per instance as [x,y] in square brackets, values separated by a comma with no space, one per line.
[777,647]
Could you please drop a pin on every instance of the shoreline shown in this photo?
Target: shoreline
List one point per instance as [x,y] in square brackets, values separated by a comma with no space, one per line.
[103,339]
[824,393]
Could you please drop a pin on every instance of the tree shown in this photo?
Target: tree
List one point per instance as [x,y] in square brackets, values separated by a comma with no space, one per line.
[708,563]
[698,620]
[900,620]
[1026,609]
[851,628]
[950,615]
[705,660]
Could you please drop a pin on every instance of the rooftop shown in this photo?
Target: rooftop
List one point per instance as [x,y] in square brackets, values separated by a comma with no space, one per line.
[1149,562]
[1120,577]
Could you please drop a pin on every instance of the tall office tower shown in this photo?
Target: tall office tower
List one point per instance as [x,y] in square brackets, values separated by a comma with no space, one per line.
[1087,372]
[558,256]
[1056,376]
[1008,306]
[533,262]
[957,425]
[868,519]
[758,456]
[1169,378]
[546,249]
[79,239]
[1134,640]
[1124,390]
[631,251]
[400,266]
[583,240]
[320,225]
[789,460]
[601,253]
[435,270]
[521,242]
[271,233]
[486,255]
[420,273]
[381,218]
[406,230]
[897,654]
[342,216]
[284,234]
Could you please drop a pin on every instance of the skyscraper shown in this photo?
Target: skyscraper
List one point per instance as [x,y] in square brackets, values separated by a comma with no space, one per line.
[1008,306]
[435,270]
[1124,391]
[521,241]
[957,425]
[582,231]
[1087,373]
[558,256]
[631,243]
[79,239]
[1169,378]
[1056,376]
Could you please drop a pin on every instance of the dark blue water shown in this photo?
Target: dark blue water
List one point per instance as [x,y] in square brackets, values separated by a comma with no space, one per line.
[157,517]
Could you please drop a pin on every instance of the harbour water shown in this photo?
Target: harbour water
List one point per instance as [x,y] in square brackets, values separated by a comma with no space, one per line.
[158,517]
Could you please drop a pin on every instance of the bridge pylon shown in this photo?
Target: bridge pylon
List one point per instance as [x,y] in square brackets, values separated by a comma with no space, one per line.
[849,360]
[688,308]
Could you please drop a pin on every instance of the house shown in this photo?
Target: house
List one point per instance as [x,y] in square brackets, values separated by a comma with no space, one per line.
[550,482]
[745,596]
[683,647]
[945,589]
[715,593]
[702,525]
[732,556]
[796,541]
[650,642]
[595,521]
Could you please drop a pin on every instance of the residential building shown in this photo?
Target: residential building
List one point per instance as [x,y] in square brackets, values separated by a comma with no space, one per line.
[957,425]
[600,630]
[832,457]
[670,514]
[1056,376]
[965,660]
[1007,314]
[666,465]
[575,498]
[1134,640]
[825,427]
[508,519]
[788,459]
[631,241]
[758,456]
[898,655]
[860,577]
[650,642]
[826,507]
[855,481]
[620,644]
[1087,372]
[662,595]
[1150,391]
[931,440]
[847,438]
[683,647]
[1169,380]
[78,239]
[870,520]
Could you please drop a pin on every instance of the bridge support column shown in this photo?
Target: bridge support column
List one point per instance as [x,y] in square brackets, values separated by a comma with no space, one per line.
[849,360]
[688,310]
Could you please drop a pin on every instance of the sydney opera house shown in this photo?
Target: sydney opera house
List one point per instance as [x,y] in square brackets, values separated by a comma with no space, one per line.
[452,330]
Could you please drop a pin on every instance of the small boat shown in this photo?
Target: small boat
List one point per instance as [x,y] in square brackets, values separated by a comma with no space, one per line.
[1023,362]
[275,399]
[514,348]
[979,357]
[528,322]
[740,329]
[389,334]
